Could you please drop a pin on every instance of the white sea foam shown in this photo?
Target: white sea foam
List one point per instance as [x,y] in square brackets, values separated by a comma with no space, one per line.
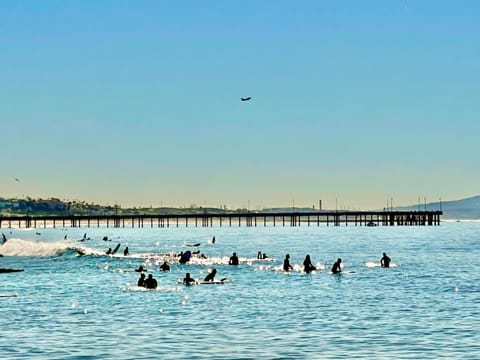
[20,247]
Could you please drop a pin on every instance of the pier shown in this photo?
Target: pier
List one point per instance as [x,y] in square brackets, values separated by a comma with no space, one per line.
[248,219]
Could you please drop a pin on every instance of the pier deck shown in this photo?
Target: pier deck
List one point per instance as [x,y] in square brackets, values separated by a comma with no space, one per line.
[314,218]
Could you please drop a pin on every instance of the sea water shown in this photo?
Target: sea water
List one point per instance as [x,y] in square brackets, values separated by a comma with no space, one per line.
[88,307]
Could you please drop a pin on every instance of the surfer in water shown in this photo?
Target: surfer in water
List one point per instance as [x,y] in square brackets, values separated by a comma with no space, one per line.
[141,280]
[185,257]
[140,268]
[385,261]
[151,282]
[307,265]
[211,276]
[165,266]
[336,268]
[125,252]
[286,264]
[233,259]
[4,238]
[187,280]
[109,251]
[262,256]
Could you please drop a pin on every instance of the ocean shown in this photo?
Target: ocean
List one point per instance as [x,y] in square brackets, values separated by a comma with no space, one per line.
[427,306]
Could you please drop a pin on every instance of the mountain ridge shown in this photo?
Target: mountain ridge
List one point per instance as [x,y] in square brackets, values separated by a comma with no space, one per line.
[462,209]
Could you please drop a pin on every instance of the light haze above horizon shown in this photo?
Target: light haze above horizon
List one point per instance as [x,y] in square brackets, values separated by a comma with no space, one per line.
[359,104]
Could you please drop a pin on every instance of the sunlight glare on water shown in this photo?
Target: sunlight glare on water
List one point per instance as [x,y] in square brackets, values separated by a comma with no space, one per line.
[70,306]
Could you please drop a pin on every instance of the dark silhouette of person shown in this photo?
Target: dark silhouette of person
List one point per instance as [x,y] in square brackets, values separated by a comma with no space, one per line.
[151,282]
[125,252]
[261,256]
[141,280]
[286,264]
[165,266]
[233,259]
[187,280]
[109,251]
[140,268]
[211,276]
[105,238]
[336,268]
[307,265]
[5,238]
[385,261]
[213,240]
[185,257]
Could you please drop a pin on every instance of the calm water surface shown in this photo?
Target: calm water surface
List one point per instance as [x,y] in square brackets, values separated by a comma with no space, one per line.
[71,307]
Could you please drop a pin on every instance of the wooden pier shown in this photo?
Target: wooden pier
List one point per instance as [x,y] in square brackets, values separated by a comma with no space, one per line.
[248,219]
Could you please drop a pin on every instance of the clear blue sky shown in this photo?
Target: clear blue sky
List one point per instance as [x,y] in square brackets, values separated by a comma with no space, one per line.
[138,102]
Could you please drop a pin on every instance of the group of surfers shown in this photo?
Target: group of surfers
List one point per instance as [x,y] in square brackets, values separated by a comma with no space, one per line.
[308,267]
[151,283]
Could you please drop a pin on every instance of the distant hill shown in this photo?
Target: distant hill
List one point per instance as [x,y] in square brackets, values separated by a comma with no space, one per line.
[463,209]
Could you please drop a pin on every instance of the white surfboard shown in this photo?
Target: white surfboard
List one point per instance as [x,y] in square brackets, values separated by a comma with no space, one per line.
[8,295]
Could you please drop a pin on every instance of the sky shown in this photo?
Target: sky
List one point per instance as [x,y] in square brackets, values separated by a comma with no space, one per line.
[359,104]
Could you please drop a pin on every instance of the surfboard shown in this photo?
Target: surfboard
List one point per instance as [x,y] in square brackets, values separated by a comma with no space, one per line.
[372,264]
[8,295]
[3,270]
[211,282]
[159,288]
[346,272]
[216,282]
[128,270]
[116,249]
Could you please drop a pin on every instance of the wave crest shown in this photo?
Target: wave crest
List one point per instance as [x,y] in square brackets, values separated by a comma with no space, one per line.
[19,247]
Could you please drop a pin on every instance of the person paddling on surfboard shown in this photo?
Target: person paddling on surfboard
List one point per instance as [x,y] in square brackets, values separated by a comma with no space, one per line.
[140,268]
[233,259]
[336,268]
[286,264]
[307,265]
[187,280]
[385,261]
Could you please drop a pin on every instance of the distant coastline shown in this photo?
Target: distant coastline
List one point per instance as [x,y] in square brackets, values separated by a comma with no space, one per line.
[463,209]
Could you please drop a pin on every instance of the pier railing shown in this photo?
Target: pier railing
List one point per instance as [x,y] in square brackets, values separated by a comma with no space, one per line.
[314,218]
